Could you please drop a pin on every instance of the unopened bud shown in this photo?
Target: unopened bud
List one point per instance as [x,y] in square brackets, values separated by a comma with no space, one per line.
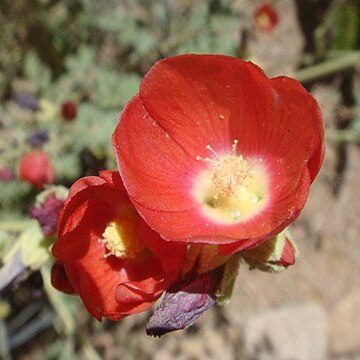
[273,255]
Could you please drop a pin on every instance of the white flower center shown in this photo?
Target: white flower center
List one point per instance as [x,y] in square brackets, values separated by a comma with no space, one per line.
[232,188]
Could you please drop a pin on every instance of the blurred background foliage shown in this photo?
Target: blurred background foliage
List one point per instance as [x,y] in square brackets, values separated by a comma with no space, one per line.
[92,55]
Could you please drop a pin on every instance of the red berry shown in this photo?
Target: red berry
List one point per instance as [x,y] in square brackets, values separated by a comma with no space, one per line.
[68,110]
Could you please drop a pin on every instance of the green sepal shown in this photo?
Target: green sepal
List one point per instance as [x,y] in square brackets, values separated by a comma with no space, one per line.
[34,247]
[266,256]
[227,280]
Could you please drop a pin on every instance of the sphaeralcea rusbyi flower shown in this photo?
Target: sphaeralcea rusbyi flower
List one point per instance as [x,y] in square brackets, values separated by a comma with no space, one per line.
[211,151]
[265,17]
[107,254]
[35,167]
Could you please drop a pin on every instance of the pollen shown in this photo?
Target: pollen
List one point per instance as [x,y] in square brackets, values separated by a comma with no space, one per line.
[120,239]
[231,188]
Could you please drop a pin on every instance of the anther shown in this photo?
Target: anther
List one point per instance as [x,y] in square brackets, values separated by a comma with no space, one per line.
[207,159]
[208,147]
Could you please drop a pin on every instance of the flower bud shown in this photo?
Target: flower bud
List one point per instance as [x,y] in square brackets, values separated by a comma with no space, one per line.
[273,255]
[35,168]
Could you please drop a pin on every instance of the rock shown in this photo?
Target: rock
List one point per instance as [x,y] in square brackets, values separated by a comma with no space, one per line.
[344,325]
[296,333]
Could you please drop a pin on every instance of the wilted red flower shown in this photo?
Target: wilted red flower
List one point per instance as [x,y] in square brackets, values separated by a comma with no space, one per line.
[107,254]
[68,110]
[47,214]
[265,17]
[35,168]
[226,155]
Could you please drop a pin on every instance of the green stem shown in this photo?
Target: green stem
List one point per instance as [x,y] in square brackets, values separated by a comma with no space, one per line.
[58,303]
[171,43]
[329,67]
[342,136]
[15,225]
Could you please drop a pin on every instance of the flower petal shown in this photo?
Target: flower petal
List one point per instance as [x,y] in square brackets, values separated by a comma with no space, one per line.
[60,280]
[150,163]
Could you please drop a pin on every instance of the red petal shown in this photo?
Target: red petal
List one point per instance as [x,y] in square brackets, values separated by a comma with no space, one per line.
[288,255]
[99,281]
[191,97]
[89,188]
[150,163]
[304,118]
[113,179]
[60,280]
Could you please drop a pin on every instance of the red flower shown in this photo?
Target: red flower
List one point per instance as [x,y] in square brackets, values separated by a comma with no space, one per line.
[101,251]
[68,110]
[226,156]
[35,168]
[265,18]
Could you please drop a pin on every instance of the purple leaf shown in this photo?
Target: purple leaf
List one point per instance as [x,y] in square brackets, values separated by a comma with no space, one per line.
[182,306]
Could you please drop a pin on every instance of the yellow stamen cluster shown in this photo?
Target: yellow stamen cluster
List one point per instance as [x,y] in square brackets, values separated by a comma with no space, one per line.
[229,174]
[233,188]
[120,239]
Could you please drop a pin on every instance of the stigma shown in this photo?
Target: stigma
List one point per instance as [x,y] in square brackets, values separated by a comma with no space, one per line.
[231,188]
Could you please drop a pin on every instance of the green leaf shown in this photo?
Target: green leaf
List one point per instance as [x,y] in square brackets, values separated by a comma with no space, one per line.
[346,27]
[37,73]
[81,66]
[61,349]
[13,191]
[34,247]
[227,282]
[65,305]
[114,89]
[98,125]
[5,243]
